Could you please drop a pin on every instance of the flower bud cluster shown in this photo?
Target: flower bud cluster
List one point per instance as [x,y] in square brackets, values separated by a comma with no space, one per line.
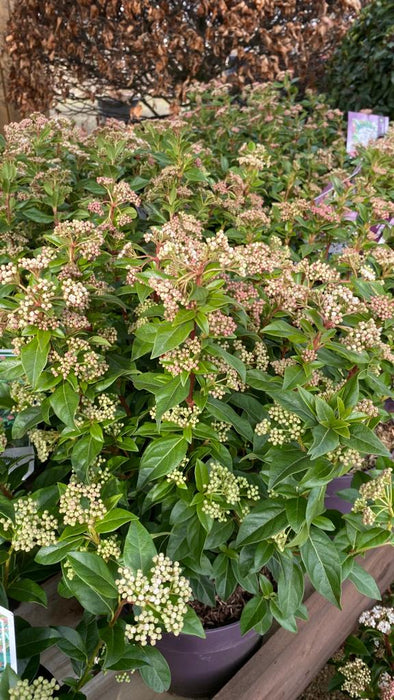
[283,426]
[279,366]
[183,359]
[109,548]
[358,677]
[225,489]
[36,306]
[75,294]
[8,273]
[222,429]
[377,492]
[221,325]
[39,262]
[103,410]
[30,528]
[258,159]
[85,363]
[3,438]
[171,297]
[368,407]
[348,458]
[177,476]
[161,597]
[382,306]
[44,441]
[182,416]
[280,540]
[82,503]
[39,689]
[23,397]
[364,336]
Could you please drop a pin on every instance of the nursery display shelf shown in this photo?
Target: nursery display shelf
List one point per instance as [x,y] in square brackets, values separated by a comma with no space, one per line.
[280,670]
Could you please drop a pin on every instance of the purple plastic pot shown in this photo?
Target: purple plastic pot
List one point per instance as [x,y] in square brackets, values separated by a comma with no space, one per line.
[332,500]
[200,667]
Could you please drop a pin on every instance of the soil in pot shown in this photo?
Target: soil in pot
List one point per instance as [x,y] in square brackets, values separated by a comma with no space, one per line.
[333,501]
[200,667]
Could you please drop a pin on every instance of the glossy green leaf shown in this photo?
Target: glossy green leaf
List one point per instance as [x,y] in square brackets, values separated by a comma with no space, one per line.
[64,402]
[139,548]
[322,564]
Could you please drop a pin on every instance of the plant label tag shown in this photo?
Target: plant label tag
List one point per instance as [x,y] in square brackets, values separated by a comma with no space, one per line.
[7,640]
[363,128]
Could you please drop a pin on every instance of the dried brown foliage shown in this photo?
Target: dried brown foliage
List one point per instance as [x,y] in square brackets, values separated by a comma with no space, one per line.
[59,47]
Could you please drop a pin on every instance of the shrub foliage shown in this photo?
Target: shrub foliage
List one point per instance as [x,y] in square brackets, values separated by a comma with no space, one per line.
[362,68]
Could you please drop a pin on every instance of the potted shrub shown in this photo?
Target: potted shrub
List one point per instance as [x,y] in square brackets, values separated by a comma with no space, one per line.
[189,396]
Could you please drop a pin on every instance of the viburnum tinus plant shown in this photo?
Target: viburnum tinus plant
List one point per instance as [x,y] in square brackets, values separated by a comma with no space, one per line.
[191,381]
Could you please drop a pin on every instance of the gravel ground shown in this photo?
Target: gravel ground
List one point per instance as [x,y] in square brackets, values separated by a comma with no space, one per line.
[317,690]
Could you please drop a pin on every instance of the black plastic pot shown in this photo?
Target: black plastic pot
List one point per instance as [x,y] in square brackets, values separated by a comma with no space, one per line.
[200,667]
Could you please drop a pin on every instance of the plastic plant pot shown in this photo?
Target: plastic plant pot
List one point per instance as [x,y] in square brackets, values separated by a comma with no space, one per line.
[200,667]
[332,500]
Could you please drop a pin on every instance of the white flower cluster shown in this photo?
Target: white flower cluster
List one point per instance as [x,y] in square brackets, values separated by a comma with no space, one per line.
[30,528]
[105,410]
[357,675]
[40,689]
[222,429]
[3,438]
[346,457]
[182,416]
[23,397]
[82,503]
[380,618]
[80,359]
[109,548]
[225,490]
[258,159]
[282,427]
[75,294]
[160,596]
[368,407]
[44,442]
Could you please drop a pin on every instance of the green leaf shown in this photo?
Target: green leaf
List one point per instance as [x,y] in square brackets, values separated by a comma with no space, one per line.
[223,412]
[161,457]
[156,673]
[364,440]
[25,590]
[288,622]
[93,571]
[33,640]
[364,582]
[83,455]
[192,624]
[34,357]
[284,462]
[7,508]
[201,475]
[39,217]
[324,440]
[290,585]
[139,548]
[55,553]
[232,360]
[256,614]
[373,537]
[71,643]
[115,642]
[294,377]
[171,394]
[282,329]
[322,564]
[64,402]
[90,599]
[25,420]
[169,336]
[265,520]
[113,520]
